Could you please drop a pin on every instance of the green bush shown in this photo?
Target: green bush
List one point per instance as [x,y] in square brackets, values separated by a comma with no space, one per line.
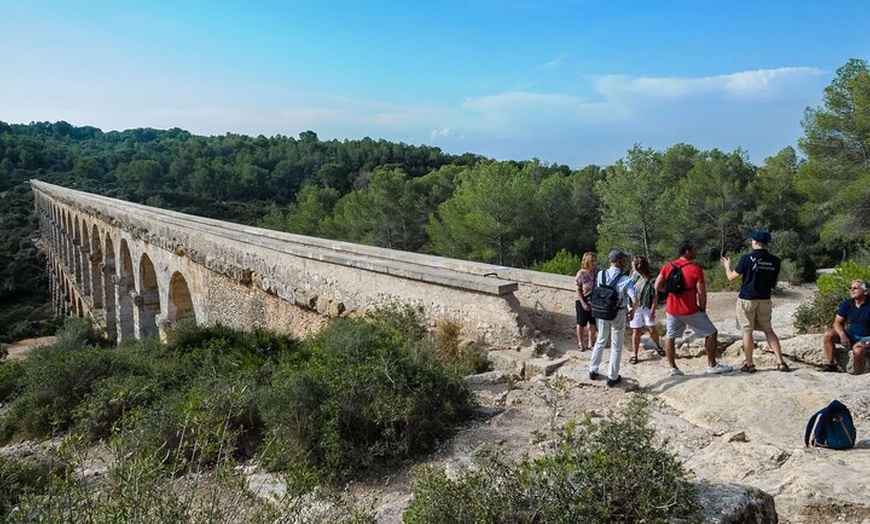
[610,471]
[370,395]
[364,393]
[818,314]
[563,263]
[11,379]
[75,333]
[20,477]
[139,487]
[55,382]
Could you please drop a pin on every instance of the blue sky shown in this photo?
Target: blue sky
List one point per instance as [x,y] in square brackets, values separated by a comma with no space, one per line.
[568,82]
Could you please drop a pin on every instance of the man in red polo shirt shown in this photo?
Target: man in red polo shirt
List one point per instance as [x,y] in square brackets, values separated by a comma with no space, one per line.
[687,309]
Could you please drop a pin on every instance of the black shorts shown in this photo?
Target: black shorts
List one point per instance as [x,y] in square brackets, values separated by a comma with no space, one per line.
[584,317]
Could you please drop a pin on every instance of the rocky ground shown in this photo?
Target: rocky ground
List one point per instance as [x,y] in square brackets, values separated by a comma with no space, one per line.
[738,428]
[735,429]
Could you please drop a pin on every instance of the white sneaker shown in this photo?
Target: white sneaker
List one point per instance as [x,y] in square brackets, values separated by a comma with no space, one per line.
[675,372]
[719,368]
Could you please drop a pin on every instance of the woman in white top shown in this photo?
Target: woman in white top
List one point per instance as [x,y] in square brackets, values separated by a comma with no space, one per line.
[646,301]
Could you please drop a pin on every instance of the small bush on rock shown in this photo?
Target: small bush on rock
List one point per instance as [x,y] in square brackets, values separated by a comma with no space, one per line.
[609,471]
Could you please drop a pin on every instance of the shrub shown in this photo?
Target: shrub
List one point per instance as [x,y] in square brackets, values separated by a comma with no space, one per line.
[818,314]
[609,471]
[20,477]
[563,263]
[463,358]
[75,333]
[11,379]
[55,381]
[139,487]
[368,396]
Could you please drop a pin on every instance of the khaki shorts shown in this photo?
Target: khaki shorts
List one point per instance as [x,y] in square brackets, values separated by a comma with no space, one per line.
[754,315]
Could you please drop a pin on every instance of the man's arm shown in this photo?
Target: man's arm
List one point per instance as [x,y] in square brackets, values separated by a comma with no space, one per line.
[729,273]
[660,283]
[840,328]
[701,289]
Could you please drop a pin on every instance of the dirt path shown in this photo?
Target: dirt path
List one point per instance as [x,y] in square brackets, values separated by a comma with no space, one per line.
[18,350]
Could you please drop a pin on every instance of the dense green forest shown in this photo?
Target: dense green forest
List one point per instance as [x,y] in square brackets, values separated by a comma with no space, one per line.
[417,198]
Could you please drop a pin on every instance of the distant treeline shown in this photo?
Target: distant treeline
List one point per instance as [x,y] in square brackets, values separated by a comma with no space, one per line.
[417,198]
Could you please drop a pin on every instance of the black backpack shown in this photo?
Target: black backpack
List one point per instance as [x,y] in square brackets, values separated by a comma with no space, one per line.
[675,283]
[831,427]
[604,300]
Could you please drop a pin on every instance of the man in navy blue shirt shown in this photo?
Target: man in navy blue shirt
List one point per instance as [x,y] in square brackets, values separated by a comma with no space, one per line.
[851,328]
[760,271]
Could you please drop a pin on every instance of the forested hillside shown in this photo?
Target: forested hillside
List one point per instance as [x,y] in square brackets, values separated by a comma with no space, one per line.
[416,198]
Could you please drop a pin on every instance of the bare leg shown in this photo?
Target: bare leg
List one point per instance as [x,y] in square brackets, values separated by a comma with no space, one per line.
[748,347]
[773,342]
[635,340]
[654,335]
[593,334]
[581,332]
[828,342]
[710,348]
[671,352]
[859,351]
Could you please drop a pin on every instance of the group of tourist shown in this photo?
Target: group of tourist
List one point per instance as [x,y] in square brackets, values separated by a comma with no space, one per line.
[686,307]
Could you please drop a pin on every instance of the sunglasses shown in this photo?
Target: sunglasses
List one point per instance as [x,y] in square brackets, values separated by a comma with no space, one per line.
[857,287]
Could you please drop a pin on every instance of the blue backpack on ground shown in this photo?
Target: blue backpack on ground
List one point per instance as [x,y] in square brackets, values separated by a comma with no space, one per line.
[831,427]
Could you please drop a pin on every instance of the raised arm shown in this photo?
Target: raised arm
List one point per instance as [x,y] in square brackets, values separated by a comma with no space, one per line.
[729,273]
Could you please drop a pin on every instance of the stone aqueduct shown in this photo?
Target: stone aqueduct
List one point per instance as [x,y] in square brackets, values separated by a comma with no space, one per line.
[137,271]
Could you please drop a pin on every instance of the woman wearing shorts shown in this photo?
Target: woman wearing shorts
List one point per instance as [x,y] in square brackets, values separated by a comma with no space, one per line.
[645,308]
[584,283]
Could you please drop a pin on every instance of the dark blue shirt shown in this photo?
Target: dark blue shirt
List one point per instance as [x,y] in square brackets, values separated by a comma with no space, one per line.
[857,318]
[760,271]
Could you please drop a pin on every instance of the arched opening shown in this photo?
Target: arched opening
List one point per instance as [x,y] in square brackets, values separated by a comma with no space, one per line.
[110,289]
[126,289]
[84,256]
[180,304]
[96,259]
[77,253]
[67,244]
[148,302]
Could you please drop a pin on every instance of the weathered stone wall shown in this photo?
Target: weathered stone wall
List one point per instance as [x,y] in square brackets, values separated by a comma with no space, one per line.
[250,277]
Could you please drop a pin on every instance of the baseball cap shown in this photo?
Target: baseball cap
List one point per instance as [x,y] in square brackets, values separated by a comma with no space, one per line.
[761,236]
[616,255]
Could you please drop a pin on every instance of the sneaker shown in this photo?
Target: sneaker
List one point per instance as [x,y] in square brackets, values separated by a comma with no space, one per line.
[675,372]
[617,380]
[593,375]
[830,368]
[719,368]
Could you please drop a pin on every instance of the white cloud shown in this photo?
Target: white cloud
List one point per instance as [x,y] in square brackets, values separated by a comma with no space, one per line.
[555,63]
[745,83]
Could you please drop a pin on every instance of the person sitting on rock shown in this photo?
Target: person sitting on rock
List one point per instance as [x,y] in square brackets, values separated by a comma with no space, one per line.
[851,329]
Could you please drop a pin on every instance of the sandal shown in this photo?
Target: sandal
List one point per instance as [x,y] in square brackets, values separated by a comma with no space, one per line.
[748,368]
[632,360]
[660,350]
[782,366]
